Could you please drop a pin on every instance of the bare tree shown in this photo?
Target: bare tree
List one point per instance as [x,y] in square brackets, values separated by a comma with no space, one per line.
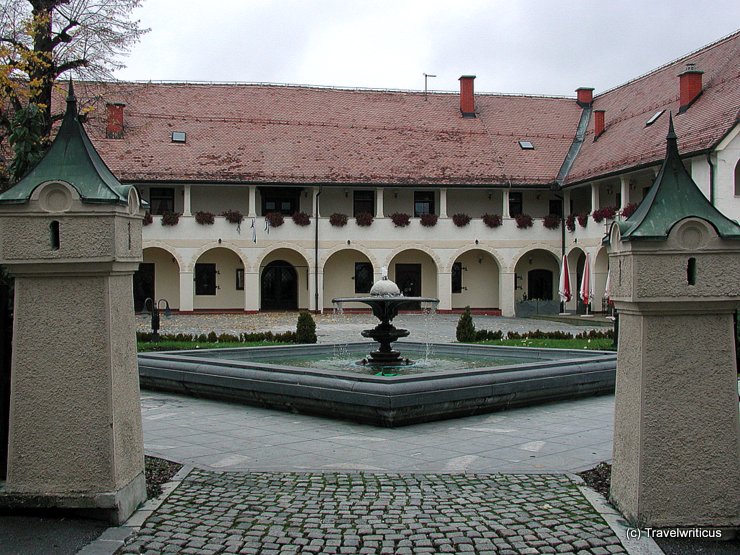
[43,40]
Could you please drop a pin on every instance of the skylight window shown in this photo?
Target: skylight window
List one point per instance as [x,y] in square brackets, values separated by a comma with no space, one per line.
[526,145]
[654,118]
[178,136]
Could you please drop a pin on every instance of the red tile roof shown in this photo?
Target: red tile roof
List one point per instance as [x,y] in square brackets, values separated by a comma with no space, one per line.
[290,134]
[258,133]
[627,143]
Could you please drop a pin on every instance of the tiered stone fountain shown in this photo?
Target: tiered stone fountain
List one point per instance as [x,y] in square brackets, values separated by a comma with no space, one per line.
[385,300]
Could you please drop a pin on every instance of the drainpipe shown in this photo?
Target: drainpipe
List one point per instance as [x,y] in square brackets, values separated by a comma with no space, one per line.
[562,237]
[316,255]
[711,178]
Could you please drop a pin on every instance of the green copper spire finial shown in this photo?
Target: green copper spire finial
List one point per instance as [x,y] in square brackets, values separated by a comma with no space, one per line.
[72,159]
[673,197]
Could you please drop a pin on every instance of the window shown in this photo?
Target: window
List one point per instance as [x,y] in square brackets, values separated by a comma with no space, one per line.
[556,207]
[526,145]
[286,201]
[363,201]
[363,277]
[515,204]
[457,277]
[161,200]
[423,203]
[205,279]
[178,136]
[240,279]
[654,118]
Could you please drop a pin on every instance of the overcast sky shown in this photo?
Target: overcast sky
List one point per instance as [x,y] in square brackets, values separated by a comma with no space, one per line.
[512,46]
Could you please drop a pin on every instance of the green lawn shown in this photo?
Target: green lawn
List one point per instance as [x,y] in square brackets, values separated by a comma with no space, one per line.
[146,346]
[593,344]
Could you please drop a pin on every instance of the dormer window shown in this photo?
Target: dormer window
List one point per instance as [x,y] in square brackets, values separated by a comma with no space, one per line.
[178,136]
[526,145]
[654,118]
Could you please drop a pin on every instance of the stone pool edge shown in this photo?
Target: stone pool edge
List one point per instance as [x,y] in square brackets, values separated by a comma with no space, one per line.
[383,401]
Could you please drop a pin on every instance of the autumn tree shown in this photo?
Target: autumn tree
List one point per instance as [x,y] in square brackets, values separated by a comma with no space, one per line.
[42,41]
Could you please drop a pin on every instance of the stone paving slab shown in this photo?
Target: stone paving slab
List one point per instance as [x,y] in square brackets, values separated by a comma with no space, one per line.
[362,513]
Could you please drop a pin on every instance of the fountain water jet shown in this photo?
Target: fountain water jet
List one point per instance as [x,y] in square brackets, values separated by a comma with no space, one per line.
[385,300]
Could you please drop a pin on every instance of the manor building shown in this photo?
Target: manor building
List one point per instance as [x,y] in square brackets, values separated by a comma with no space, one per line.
[365,179]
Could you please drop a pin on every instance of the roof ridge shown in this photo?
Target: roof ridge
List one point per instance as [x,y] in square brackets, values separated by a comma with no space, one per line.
[321,87]
[704,48]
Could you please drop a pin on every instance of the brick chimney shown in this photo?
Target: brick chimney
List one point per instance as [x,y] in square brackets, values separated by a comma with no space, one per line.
[598,123]
[689,86]
[585,96]
[467,99]
[114,128]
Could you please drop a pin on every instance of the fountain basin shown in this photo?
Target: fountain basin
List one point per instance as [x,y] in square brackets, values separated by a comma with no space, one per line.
[254,376]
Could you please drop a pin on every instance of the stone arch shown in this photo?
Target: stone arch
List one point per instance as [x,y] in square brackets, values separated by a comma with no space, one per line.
[536,274]
[532,247]
[218,273]
[340,277]
[475,279]
[447,267]
[158,277]
[599,272]
[210,246]
[260,262]
[415,271]
[415,246]
[364,250]
[281,261]
[182,266]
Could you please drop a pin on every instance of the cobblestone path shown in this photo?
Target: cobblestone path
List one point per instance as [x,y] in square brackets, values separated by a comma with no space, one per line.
[359,513]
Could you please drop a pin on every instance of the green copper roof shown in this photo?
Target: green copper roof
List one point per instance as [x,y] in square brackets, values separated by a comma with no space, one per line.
[673,197]
[73,159]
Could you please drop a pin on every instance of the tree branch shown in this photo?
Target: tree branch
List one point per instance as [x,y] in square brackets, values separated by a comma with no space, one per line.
[71,64]
[63,35]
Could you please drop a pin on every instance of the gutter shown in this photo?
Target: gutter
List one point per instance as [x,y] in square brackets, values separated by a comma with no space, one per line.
[575,147]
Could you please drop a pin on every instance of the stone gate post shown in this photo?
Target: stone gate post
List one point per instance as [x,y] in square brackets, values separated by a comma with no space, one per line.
[71,236]
[675,279]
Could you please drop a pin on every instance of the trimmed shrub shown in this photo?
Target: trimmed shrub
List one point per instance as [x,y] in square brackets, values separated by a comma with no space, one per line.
[364,219]
[276,219]
[212,337]
[305,330]
[170,218]
[486,335]
[204,218]
[492,220]
[551,221]
[461,220]
[338,220]
[301,218]
[465,332]
[523,221]
[400,219]
[428,220]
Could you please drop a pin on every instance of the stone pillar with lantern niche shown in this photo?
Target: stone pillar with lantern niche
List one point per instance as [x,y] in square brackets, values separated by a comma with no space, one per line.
[675,280]
[72,240]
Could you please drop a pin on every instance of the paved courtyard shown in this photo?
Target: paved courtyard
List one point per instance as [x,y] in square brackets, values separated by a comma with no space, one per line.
[265,481]
[369,513]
